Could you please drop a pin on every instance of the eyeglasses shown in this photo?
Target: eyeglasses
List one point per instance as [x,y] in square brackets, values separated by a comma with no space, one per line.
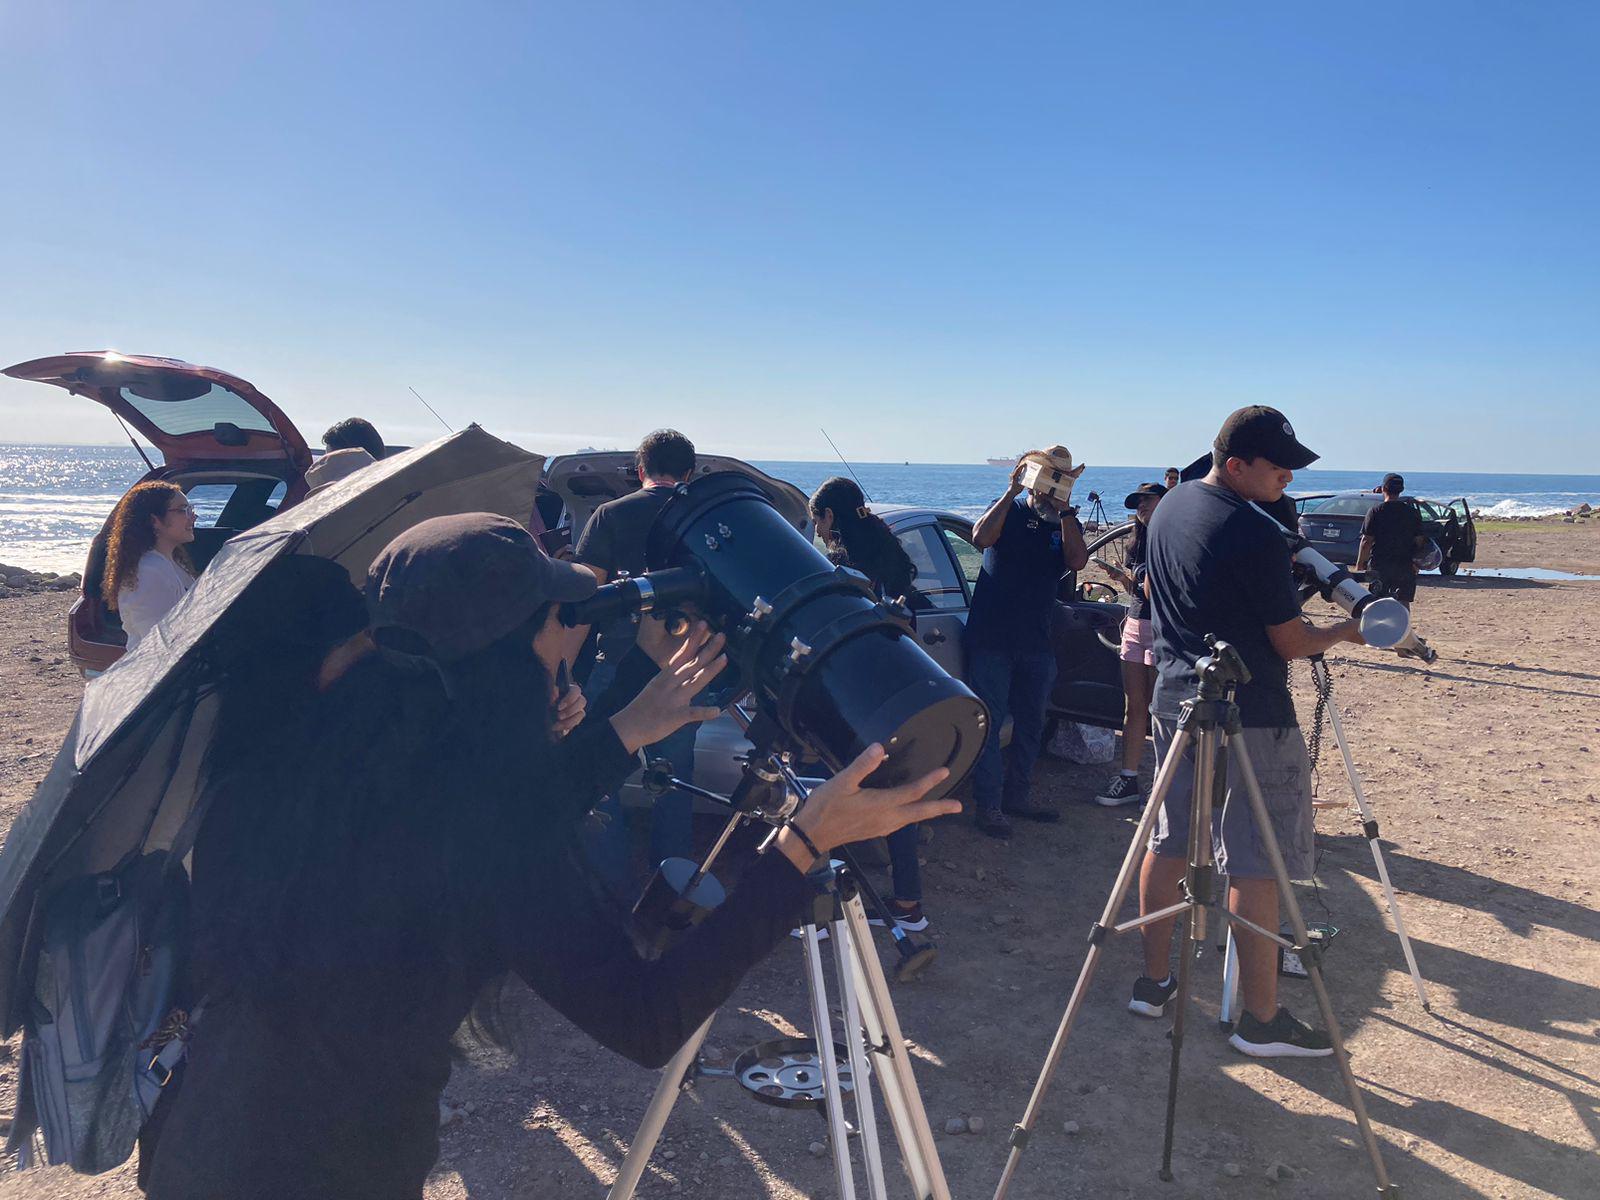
[186,509]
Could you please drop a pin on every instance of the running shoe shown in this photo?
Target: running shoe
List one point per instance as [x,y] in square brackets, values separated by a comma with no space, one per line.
[912,920]
[1123,789]
[1150,998]
[1282,1037]
[993,822]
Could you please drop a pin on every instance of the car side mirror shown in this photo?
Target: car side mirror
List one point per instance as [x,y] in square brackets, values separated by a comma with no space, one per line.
[1096,592]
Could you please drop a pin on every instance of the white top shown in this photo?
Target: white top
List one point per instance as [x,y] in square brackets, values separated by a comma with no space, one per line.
[161,583]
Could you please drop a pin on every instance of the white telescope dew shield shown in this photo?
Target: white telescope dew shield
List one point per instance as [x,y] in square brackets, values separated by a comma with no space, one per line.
[1385,622]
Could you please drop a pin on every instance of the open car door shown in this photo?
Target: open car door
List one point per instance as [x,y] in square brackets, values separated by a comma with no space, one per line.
[1463,533]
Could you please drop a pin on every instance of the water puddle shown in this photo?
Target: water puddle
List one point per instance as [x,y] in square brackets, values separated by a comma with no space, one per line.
[1522,573]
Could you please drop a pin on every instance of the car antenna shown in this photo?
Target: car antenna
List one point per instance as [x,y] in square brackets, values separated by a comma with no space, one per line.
[848,467]
[135,441]
[429,407]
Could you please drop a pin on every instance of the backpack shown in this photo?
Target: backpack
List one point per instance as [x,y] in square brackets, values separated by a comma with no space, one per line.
[105,1026]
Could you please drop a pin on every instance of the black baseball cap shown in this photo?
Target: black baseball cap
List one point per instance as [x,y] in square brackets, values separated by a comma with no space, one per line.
[1393,479]
[1261,432]
[451,586]
[1144,489]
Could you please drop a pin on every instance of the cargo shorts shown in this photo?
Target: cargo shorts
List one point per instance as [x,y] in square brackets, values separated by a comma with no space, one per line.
[1283,769]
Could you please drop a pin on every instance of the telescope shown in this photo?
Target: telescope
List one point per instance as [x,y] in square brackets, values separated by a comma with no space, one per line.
[832,668]
[1384,621]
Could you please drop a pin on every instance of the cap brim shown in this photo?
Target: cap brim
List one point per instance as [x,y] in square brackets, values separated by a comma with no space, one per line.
[1299,458]
[566,582]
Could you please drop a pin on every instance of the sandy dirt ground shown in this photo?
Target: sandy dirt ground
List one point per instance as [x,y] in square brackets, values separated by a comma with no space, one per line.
[1482,770]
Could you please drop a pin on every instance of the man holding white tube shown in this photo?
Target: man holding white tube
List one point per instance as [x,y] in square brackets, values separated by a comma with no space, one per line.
[1217,566]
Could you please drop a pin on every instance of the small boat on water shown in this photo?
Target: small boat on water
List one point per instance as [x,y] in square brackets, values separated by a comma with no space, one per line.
[1002,462]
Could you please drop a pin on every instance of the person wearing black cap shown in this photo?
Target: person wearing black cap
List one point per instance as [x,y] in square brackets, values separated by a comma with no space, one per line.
[1391,535]
[402,839]
[1218,566]
[1138,652]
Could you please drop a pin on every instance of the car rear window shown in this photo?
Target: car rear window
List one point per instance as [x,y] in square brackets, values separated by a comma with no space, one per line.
[1346,506]
[174,408]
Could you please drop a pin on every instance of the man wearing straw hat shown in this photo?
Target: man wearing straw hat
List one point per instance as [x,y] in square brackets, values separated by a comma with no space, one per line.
[1029,537]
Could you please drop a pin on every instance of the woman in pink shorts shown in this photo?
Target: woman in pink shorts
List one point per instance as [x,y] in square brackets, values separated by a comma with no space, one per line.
[1138,652]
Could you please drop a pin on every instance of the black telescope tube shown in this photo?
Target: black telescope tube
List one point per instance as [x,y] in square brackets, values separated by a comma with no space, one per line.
[644,593]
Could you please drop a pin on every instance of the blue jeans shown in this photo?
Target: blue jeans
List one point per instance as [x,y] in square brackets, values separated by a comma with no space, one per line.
[905,872]
[1018,685]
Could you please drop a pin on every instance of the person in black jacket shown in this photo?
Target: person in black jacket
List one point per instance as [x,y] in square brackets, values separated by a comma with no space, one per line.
[397,835]
[1391,535]
[856,537]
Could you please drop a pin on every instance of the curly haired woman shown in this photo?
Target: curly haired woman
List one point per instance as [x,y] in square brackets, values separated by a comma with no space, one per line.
[147,570]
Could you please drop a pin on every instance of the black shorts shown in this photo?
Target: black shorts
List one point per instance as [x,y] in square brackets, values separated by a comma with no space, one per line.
[1394,580]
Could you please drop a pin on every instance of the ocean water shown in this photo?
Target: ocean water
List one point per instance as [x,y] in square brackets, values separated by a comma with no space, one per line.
[53,499]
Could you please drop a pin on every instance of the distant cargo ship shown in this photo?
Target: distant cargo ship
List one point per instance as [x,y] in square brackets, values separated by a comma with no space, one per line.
[1002,462]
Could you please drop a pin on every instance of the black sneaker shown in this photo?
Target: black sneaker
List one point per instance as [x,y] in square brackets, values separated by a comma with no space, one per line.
[1150,998]
[1281,1037]
[993,822]
[912,920]
[1032,809]
[1123,789]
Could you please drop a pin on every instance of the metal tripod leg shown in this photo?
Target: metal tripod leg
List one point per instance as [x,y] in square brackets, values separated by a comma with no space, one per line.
[1023,1130]
[1269,839]
[860,1068]
[833,1100]
[1369,828]
[896,1083]
[673,1077]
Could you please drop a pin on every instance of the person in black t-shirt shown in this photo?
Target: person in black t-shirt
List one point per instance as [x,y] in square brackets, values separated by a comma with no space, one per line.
[1138,651]
[1027,543]
[1390,538]
[1219,566]
[612,544]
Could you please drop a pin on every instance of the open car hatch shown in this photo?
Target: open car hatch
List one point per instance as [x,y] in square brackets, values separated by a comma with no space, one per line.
[190,414]
[587,480]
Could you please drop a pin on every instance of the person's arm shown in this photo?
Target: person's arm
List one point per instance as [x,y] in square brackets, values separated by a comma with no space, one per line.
[594,547]
[154,592]
[1298,638]
[1363,552]
[572,950]
[1074,553]
[987,531]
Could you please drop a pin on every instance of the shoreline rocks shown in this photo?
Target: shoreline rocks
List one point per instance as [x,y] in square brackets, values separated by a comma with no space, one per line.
[19,581]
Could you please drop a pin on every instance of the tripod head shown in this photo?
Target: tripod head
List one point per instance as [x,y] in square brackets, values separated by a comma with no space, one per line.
[1220,671]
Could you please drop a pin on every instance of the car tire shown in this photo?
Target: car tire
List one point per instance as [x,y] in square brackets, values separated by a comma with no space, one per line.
[1449,567]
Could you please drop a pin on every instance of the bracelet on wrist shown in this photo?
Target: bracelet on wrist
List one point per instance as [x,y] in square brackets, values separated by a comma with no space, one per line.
[804,840]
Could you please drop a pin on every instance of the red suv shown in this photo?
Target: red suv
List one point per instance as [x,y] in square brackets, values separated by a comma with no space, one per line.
[232,450]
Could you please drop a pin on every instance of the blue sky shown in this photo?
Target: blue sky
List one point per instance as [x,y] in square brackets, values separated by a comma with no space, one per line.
[941,231]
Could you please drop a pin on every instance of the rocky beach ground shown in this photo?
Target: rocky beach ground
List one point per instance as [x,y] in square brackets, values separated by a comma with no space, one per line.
[1482,771]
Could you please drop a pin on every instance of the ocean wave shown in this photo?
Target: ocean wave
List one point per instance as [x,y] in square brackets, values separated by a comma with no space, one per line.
[1523,508]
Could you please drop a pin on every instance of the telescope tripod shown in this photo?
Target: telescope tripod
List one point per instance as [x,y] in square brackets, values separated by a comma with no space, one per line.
[786,1072]
[1323,683]
[1210,727]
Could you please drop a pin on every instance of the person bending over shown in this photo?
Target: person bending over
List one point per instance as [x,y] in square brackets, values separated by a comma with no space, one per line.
[858,538]
[406,842]
[1217,566]
[1391,535]
[1028,541]
[147,570]
[1138,653]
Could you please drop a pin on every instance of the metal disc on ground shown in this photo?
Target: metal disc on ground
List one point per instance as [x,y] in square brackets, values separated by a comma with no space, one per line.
[786,1072]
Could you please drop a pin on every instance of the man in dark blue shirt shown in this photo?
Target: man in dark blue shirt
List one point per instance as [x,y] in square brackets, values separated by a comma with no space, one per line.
[1218,565]
[1027,543]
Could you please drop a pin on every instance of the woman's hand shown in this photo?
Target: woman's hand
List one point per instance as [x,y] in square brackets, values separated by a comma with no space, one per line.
[569,710]
[666,703]
[842,811]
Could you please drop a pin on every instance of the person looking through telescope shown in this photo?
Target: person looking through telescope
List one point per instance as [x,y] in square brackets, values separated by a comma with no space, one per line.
[1217,566]
[400,839]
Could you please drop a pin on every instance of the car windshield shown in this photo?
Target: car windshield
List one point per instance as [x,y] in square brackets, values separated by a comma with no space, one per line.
[1353,504]
[179,406]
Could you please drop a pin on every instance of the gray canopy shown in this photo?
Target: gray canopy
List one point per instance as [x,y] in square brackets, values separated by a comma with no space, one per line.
[125,777]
